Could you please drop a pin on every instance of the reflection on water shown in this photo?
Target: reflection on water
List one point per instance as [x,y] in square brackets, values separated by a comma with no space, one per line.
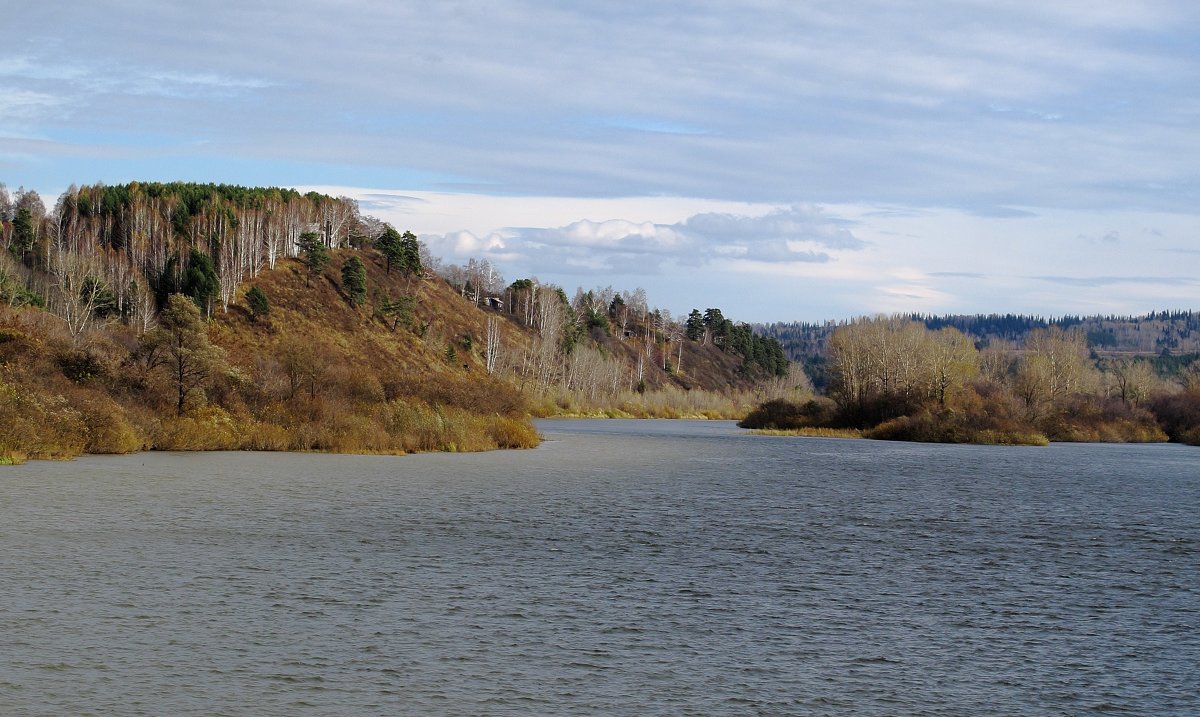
[623,568]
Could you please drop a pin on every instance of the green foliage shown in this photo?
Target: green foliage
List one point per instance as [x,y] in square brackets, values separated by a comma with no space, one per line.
[24,232]
[256,301]
[200,282]
[354,281]
[411,250]
[14,292]
[398,310]
[179,345]
[168,282]
[695,325]
[401,250]
[616,306]
[390,243]
[314,255]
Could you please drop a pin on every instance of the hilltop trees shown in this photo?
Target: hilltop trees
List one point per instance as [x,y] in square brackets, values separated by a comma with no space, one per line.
[695,326]
[401,250]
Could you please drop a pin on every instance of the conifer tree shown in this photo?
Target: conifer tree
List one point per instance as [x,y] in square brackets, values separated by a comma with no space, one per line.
[315,255]
[200,281]
[354,281]
[179,344]
[257,302]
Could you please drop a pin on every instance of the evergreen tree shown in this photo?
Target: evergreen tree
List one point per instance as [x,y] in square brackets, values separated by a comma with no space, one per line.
[315,255]
[695,325]
[410,250]
[257,302]
[399,310]
[179,344]
[354,281]
[200,281]
[392,246]
[24,232]
[401,250]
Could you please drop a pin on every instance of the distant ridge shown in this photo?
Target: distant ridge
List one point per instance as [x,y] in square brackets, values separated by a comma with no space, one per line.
[1155,333]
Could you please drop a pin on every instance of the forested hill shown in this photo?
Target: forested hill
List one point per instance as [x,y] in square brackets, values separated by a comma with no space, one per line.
[1160,333]
[216,316]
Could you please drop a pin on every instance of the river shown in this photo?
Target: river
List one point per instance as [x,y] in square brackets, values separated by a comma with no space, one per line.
[622,568]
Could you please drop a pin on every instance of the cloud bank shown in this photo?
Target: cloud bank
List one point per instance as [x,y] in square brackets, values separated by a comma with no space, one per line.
[619,246]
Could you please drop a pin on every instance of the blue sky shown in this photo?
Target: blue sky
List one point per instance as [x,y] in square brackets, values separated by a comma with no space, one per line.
[780,160]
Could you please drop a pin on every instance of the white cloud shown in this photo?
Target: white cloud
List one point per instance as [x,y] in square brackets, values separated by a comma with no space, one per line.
[787,235]
[26,104]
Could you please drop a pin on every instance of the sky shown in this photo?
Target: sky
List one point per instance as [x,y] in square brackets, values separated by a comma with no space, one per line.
[801,160]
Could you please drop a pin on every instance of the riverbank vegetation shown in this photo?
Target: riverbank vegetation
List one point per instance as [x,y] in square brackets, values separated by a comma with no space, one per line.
[894,378]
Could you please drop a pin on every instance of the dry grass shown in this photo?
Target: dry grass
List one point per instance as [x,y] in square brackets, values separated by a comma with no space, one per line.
[667,402]
[810,432]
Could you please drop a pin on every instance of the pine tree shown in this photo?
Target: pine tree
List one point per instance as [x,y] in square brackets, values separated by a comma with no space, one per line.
[200,281]
[392,246]
[257,302]
[354,281]
[695,325]
[316,256]
[179,344]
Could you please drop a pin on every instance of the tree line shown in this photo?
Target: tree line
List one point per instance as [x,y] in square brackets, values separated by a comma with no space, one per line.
[895,377]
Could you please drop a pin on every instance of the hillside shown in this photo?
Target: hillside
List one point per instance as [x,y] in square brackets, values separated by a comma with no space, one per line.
[179,316]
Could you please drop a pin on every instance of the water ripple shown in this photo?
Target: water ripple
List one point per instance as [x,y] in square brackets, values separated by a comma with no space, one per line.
[625,568]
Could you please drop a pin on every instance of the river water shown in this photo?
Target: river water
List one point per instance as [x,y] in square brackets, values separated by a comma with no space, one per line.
[623,568]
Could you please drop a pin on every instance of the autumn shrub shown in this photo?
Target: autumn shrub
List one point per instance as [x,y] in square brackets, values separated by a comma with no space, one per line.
[1179,415]
[1093,419]
[509,432]
[352,433]
[80,366]
[357,384]
[811,432]
[781,414]
[107,427]
[674,402]
[482,394]
[262,436]
[666,402]
[204,428]
[949,426]
[416,426]
[36,424]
